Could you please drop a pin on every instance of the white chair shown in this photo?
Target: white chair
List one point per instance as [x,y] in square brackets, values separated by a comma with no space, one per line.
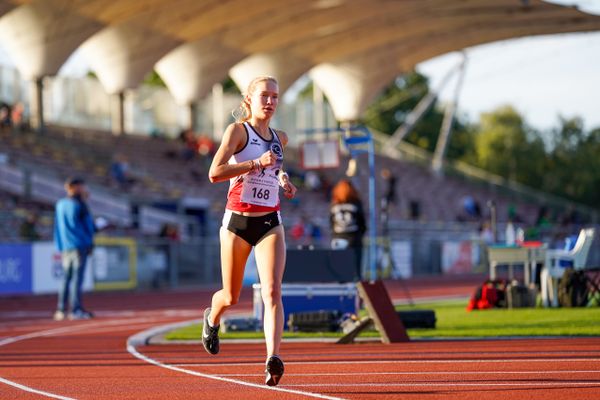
[552,269]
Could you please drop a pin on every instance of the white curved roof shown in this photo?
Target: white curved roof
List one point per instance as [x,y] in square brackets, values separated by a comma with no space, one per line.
[354,47]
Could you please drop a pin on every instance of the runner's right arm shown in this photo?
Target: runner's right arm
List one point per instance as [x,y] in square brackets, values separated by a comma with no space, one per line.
[234,139]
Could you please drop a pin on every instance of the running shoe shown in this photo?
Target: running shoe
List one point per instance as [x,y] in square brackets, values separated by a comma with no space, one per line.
[58,315]
[80,314]
[210,335]
[274,371]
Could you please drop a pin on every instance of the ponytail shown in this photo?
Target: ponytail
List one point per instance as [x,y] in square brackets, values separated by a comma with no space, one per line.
[242,113]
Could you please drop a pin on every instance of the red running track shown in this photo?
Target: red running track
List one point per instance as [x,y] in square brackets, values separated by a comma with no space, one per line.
[40,358]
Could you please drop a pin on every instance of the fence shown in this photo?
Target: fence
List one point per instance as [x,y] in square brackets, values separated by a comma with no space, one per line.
[147,263]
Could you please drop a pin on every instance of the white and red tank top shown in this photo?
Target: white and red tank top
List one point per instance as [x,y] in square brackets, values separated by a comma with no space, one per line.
[258,190]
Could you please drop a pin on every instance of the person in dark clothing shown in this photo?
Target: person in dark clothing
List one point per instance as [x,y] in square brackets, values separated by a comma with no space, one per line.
[28,229]
[347,220]
[389,197]
[74,237]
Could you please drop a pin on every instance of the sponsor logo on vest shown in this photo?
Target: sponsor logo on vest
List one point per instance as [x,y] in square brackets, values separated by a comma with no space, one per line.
[277,150]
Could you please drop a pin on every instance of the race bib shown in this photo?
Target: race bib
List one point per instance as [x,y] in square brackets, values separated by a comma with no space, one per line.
[261,188]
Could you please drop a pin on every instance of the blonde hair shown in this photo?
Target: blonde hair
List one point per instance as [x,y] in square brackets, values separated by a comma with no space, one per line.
[243,112]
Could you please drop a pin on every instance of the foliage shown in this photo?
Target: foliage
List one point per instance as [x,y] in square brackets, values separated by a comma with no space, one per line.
[563,161]
[154,79]
[395,103]
[574,165]
[506,146]
[307,91]
[229,86]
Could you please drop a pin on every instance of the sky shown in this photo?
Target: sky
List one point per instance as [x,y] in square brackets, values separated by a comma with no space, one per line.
[541,76]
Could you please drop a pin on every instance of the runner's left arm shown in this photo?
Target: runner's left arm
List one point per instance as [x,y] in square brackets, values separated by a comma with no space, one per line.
[289,189]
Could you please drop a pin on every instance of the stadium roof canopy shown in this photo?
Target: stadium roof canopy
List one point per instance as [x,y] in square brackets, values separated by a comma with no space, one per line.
[353,48]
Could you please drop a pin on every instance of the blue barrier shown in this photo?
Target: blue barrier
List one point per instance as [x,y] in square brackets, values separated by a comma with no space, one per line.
[15,269]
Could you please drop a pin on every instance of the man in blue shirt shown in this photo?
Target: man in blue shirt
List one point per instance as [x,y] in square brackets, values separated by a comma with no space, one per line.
[74,237]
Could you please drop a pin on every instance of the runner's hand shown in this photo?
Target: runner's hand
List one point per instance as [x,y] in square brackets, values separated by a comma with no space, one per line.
[289,190]
[267,159]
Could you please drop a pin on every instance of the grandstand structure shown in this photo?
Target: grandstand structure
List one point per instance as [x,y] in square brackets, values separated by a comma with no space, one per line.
[351,49]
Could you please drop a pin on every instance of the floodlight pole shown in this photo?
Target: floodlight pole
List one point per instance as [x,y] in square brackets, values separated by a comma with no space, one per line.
[372,208]
[446,129]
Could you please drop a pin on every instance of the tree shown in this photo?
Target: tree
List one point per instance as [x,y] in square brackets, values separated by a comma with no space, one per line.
[506,146]
[398,99]
[154,79]
[229,86]
[573,162]
[395,103]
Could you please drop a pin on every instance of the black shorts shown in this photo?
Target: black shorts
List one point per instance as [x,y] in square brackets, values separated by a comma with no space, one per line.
[251,229]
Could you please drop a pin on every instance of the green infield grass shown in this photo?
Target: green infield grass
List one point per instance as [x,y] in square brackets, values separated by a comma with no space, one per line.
[453,321]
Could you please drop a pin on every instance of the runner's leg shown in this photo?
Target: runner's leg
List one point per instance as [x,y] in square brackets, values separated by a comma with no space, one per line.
[270,260]
[234,253]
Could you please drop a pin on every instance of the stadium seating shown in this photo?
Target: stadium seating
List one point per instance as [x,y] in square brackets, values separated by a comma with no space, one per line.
[162,174]
[13,211]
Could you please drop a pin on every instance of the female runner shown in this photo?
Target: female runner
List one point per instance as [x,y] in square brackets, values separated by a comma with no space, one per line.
[250,157]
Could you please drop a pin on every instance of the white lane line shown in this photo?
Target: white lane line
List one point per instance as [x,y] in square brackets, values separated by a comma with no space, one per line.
[131,349]
[66,330]
[72,328]
[106,329]
[31,390]
[432,373]
[444,384]
[467,361]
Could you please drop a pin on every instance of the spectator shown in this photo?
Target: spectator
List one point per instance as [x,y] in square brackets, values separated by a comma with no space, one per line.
[543,218]
[326,187]
[298,230]
[5,117]
[388,199]
[120,173]
[28,229]
[347,220]
[169,231]
[312,181]
[188,138]
[389,196]
[206,149]
[314,230]
[18,119]
[513,215]
[471,208]
[485,232]
[74,236]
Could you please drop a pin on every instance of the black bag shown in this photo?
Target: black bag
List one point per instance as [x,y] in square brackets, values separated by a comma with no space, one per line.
[572,289]
[417,318]
[315,321]
[519,295]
